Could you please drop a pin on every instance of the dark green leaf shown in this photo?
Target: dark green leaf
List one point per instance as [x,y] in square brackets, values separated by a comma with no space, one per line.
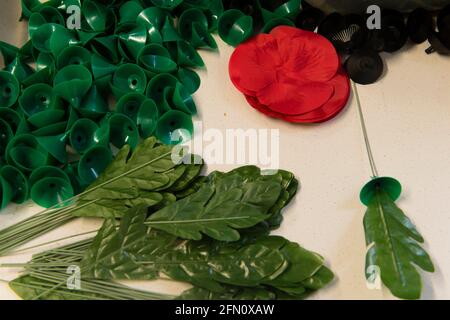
[392,242]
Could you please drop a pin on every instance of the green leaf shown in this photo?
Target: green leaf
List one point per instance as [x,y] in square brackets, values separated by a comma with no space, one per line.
[113,252]
[393,247]
[230,293]
[218,209]
[106,208]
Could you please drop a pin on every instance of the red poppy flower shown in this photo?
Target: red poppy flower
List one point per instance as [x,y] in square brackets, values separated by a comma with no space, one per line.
[290,74]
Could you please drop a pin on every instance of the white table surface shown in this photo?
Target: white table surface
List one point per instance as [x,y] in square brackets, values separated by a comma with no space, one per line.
[408,117]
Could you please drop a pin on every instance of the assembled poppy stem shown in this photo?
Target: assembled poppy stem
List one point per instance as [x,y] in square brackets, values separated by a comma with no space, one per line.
[373,166]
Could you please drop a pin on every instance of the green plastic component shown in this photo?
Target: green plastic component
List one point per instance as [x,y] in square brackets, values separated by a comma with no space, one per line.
[132,38]
[129,11]
[42,76]
[27,159]
[188,56]
[44,61]
[50,191]
[86,37]
[45,15]
[129,105]
[55,146]
[234,27]
[193,27]
[288,9]
[128,78]
[11,117]
[167,4]
[47,117]
[9,89]
[93,105]
[50,130]
[106,47]
[98,17]
[156,59]
[6,134]
[74,55]
[50,36]
[169,32]
[72,172]
[46,172]
[8,52]
[18,183]
[6,193]
[182,100]
[213,13]
[85,134]
[123,130]
[158,84]
[147,118]
[101,67]
[275,22]
[152,18]
[189,78]
[93,163]
[72,82]
[37,98]
[174,127]
[19,69]
[390,185]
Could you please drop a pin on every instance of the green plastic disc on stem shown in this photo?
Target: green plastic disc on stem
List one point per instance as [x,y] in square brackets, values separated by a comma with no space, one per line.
[51,191]
[128,78]
[123,130]
[169,32]
[234,27]
[72,83]
[106,47]
[51,129]
[18,182]
[174,127]
[193,27]
[93,163]
[152,17]
[8,52]
[390,185]
[158,85]
[9,89]
[37,98]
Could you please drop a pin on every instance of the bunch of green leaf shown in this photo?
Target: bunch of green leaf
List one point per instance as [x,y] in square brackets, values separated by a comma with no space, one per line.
[256,262]
[148,176]
[225,202]
[393,247]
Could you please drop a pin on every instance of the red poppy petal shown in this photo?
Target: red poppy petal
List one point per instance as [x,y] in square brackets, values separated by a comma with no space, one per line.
[251,66]
[291,98]
[310,54]
[330,109]
[253,101]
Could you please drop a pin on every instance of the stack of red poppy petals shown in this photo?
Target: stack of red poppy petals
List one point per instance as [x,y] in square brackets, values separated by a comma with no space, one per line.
[291,74]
